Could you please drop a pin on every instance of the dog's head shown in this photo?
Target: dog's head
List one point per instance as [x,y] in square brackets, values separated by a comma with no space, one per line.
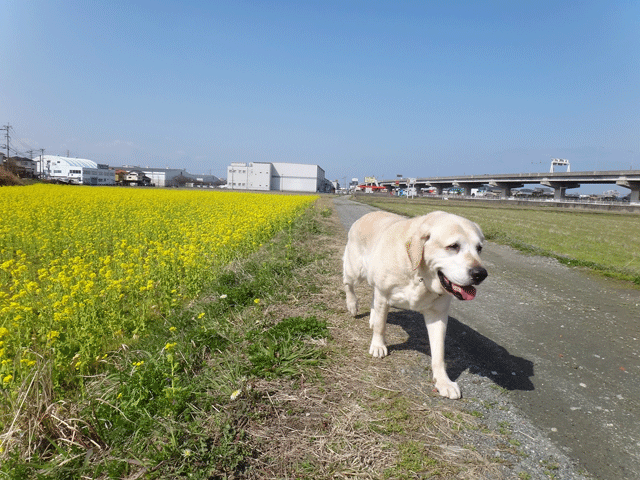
[446,248]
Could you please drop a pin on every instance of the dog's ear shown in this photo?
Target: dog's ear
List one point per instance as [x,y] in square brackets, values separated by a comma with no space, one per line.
[419,235]
[415,249]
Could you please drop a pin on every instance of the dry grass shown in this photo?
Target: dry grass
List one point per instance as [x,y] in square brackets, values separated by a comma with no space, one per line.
[38,419]
[9,178]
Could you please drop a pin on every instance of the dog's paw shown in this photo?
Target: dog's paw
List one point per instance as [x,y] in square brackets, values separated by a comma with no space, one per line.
[353,308]
[448,389]
[377,350]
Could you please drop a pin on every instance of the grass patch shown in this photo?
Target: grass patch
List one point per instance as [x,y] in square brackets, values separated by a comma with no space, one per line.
[413,462]
[600,241]
[284,349]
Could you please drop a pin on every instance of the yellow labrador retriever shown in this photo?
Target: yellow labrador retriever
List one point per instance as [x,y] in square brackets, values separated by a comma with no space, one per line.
[417,264]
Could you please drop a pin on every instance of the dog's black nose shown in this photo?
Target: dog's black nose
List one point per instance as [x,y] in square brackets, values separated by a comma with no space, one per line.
[478,274]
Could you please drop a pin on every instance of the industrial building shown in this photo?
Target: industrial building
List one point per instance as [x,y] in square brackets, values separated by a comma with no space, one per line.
[77,171]
[280,177]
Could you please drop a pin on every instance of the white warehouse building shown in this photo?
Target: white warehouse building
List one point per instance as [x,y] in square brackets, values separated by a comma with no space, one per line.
[77,171]
[281,177]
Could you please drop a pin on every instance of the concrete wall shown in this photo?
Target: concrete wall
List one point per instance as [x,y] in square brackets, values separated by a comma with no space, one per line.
[296,177]
[259,176]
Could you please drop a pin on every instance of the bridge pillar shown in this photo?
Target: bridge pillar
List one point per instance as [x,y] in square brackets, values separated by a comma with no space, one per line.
[634,197]
[505,191]
[468,186]
[505,187]
[559,188]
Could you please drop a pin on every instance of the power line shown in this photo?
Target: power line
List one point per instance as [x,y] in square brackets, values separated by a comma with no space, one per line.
[17,138]
[26,150]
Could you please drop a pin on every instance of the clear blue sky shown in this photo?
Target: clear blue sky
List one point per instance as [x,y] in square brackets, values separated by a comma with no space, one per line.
[358,87]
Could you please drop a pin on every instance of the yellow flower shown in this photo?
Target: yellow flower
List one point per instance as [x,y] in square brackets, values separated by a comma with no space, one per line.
[3,332]
[28,362]
[7,379]
[235,394]
[170,346]
[201,315]
[172,329]
[53,335]
[256,301]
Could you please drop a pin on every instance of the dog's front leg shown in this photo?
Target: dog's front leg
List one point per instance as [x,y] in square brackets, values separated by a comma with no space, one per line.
[378,322]
[437,328]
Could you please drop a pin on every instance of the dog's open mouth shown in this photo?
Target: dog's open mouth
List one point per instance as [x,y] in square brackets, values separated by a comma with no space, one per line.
[458,291]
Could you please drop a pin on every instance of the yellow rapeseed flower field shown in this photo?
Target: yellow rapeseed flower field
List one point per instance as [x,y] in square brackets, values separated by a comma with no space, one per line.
[85,268]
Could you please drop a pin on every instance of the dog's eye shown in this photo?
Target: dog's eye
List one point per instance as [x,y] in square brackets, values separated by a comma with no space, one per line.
[479,248]
[454,247]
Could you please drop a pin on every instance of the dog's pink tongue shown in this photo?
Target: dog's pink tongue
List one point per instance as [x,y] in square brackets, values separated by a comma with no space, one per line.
[466,293]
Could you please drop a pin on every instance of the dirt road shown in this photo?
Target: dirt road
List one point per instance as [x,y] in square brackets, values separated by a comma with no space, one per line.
[563,344]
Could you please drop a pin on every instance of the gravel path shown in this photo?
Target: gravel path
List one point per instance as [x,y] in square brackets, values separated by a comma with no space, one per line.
[548,353]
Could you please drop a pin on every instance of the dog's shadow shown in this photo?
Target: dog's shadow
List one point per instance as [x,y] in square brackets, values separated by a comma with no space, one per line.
[466,349]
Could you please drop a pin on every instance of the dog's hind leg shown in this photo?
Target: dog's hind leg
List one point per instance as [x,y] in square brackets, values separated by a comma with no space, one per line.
[350,278]
[352,300]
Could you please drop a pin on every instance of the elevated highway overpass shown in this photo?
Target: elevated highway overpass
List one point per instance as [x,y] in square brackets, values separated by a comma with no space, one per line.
[559,181]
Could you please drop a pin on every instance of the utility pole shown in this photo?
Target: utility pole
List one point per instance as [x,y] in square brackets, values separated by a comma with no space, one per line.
[41,162]
[7,129]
